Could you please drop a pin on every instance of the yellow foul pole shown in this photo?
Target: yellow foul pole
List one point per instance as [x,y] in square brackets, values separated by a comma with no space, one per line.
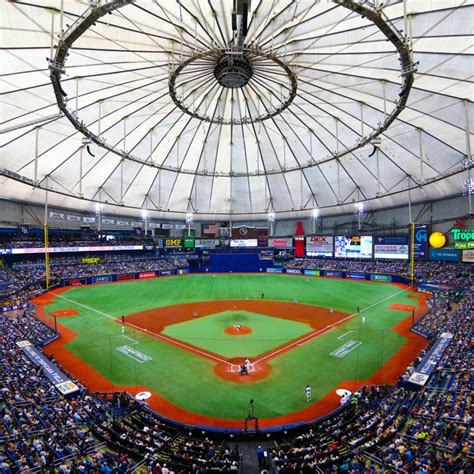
[46,237]
[46,254]
[412,253]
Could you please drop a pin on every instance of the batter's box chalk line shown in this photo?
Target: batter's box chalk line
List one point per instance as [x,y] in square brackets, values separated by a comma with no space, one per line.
[236,368]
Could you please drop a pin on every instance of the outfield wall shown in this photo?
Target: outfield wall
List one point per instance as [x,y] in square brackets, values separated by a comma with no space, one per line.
[91,280]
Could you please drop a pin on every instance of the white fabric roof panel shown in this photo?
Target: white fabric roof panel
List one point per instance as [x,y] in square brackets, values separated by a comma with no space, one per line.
[217,157]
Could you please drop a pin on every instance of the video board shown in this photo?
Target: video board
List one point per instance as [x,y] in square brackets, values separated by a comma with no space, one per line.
[355,246]
[393,247]
[319,246]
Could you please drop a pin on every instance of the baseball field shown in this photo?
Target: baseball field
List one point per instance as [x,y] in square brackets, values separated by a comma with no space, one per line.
[185,338]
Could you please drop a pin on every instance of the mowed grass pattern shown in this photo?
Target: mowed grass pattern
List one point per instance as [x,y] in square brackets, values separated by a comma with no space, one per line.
[189,381]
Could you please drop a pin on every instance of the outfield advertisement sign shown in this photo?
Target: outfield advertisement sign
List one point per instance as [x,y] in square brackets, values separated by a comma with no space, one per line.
[128,276]
[75,282]
[182,271]
[244,243]
[430,361]
[58,379]
[293,271]
[206,243]
[166,272]
[356,246]
[355,276]
[281,243]
[394,247]
[274,270]
[376,277]
[173,243]
[98,248]
[331,274]
[446,254]
[102,279]
[420,242]
[312,273]
[146,275]
[319,246]
[468,256]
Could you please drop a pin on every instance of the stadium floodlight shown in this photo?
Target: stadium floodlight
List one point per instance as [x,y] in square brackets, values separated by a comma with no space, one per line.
[144,214]
[189,217]
[359,208]
[271,216]
[468,187]
[98,208]
[315,214]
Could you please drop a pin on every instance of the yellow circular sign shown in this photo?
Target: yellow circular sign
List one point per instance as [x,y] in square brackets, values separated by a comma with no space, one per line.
[437,240]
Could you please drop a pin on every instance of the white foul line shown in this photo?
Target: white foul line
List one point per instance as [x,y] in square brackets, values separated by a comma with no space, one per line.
[304,340]
[159,336]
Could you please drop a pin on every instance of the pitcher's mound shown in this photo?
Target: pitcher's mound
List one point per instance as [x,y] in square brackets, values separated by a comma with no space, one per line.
[233,331]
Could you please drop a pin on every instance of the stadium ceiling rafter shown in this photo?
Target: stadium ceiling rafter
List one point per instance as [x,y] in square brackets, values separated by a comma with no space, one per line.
[279,106]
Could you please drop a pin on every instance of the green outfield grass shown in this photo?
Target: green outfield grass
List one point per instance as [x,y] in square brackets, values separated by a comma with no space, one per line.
[208,333]
[189,381]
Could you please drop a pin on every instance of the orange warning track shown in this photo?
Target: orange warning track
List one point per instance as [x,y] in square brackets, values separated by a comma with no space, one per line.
[388,374]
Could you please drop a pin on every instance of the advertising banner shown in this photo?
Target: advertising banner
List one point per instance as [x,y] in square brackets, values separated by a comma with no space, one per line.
[463,238]
[59,216]
[128,276]
[146,275]
[166,226]
[122,223]
[281,243]
[103,248]
[154,225]
[173,243]
[356,246]
[468,256]
[90,260]
[244,243]
[102,279]
[75,282]
[274,270]
[166,272]
[137,224]
[319,246]
[71,218]
[380,277]
[206,243]
[430,361]
[446,254]
[392,247]
[355,276]
[57,378]
[108,221]
[312,273]
[189,236]
[182,271]
[331,274]
[294,271]
[89,220]
[421,242]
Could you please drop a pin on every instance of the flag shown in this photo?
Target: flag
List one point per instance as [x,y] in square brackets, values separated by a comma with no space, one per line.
[209,229]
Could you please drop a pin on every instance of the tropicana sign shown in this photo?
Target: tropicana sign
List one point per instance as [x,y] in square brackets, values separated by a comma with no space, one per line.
[463,238]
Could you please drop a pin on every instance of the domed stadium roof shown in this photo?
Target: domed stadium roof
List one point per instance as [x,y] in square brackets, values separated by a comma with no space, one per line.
[235,107]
